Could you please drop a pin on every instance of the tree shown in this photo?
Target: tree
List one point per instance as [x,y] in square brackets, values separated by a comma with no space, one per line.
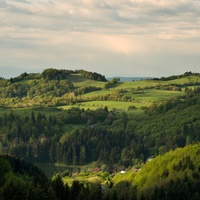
[124,117]
[59,188]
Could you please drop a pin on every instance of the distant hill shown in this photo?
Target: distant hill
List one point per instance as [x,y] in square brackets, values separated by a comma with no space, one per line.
[129,79]
[54,87]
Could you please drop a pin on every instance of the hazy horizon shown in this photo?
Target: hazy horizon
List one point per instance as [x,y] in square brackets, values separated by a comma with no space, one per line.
[11,72]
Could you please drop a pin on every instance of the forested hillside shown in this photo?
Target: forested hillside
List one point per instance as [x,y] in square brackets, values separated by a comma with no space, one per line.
[105,136]
[48,88]
[78,136]
[175,175]
[78,118]
[22,180]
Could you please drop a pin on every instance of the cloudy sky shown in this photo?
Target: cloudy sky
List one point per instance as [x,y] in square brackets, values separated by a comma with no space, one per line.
[111,37]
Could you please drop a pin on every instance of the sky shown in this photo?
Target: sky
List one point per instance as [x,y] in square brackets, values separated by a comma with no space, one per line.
[151,38]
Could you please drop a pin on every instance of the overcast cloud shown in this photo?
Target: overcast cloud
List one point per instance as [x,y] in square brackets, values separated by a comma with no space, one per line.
[112,37]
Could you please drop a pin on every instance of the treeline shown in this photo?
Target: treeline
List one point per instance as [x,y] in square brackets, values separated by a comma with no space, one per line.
[57,74]
[54,74]
[186,74]
[92,75]
[84,90]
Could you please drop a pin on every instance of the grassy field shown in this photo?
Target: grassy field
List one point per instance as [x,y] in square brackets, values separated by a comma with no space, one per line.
[101,104]
[143,99]
[84,177]
[79,81]
[154,95]
[138,94]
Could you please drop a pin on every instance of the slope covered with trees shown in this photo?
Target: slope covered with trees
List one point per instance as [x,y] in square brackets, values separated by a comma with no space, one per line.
[49,87]
[110,139]
[175,175]
[78,136]
[22,180]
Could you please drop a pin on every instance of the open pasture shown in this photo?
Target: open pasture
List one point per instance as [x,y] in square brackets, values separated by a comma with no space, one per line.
[79,81]
[120,96]
[101,104]
[143,98]
[152,95]
[153,83]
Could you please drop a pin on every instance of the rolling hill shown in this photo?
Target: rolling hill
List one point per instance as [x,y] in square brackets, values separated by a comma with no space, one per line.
[80,119]
[67,88]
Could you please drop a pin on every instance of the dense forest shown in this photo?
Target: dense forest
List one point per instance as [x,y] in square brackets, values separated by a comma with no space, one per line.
[175,175]
[22,180]
[105,138]
[101,135]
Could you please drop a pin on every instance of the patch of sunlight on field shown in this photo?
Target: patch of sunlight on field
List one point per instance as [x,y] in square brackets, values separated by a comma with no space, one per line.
[135,84]
[159,94]
[88,83]
[98,93]
[79,81]
[188,79]
[110,104]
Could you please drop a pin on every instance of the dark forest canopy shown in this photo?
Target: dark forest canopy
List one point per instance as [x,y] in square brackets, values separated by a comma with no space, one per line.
[79,136]
[175,175]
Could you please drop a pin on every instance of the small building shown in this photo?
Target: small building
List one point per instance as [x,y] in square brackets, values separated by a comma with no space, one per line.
[96,169]
[151,158]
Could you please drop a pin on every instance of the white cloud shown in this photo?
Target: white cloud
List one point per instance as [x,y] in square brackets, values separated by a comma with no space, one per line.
[84,32]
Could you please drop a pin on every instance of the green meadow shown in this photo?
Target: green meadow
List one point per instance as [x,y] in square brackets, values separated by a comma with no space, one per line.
[101,104]
[131,96]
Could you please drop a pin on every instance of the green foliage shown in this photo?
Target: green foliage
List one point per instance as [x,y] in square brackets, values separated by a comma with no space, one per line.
[92,75]
[111,83]
[55,87]
[54,74]
[78,136]
[174,175]
[22,180]
[113,140]
[186,74]
[84,90]
[49,87]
